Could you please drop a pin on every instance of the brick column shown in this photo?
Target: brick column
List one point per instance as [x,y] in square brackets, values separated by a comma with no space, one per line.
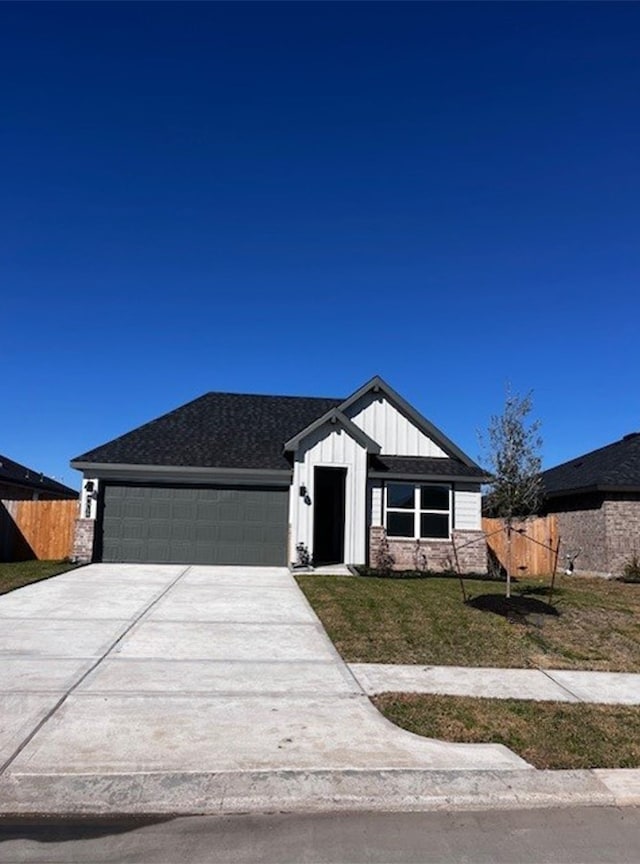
[83,540]
[376,533]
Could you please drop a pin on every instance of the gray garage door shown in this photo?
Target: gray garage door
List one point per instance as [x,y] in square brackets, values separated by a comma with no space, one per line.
[225,525]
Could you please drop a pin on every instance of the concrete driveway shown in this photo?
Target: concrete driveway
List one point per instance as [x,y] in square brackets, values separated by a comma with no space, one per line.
[114,670]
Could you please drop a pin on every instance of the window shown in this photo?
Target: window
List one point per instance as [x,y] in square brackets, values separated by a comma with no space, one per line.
[418,511]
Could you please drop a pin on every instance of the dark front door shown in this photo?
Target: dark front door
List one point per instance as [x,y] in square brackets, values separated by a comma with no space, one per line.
[328,516]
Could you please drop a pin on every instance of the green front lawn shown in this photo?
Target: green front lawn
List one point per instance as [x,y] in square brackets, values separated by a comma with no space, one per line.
[591,623]
[551,735]
[15,574]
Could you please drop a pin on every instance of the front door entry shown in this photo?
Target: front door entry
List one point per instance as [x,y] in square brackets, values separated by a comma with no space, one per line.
[328,516]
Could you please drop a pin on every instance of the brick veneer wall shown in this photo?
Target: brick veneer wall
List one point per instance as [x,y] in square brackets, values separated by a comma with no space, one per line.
[605,530]
[83,539]
[582,526]
[433,554]
[622,516]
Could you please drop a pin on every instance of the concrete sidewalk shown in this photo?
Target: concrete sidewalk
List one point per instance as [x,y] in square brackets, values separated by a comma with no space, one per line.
[170,689]
[613,688]
[130,686]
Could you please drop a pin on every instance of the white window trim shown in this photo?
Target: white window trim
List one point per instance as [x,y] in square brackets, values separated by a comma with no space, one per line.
[417,512]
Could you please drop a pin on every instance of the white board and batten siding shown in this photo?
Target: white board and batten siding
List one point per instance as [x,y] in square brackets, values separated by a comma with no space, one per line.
[375,492]
[467,509]
[395,433]
[398,436]
[330,446]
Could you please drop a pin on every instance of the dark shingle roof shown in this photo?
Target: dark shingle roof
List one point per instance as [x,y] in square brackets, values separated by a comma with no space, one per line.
[610,468]
[426,465]
[19,475]
[218,430]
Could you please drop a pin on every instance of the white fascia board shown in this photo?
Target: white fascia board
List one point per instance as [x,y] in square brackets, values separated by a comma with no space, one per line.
[335,416]
[431,431]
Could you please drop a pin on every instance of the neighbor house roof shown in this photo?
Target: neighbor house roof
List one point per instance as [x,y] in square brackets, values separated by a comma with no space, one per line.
[614,468]
[15,474]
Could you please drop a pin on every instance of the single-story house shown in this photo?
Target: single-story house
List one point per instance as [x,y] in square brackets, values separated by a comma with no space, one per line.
[19,483]
[269,480]
[596,500]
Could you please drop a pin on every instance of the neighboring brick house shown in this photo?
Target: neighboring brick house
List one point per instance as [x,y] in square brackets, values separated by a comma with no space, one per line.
[247,479]
[596,500]
[19,483]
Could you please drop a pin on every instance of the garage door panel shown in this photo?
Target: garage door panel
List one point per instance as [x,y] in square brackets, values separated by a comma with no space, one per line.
[201,525]
[133,529]
[254,533]
[185,510]
[208,511]
[159,509]
[158,548]
[133,549]
[131,509]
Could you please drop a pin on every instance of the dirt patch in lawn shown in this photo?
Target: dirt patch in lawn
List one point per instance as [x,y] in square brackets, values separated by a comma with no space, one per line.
[589,623]
[547,734]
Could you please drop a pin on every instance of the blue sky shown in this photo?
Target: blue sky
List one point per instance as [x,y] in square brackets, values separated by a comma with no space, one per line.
[291,198]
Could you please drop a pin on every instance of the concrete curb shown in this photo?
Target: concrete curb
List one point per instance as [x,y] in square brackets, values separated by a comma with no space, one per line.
[312,791]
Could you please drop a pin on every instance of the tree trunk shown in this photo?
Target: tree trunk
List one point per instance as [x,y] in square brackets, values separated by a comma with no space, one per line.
[508,559]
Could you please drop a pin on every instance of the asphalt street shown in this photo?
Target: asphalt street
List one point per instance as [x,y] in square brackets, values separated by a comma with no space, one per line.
[586,835]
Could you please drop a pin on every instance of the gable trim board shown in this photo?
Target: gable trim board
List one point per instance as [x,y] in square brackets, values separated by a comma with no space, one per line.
[334,417]
[374,437]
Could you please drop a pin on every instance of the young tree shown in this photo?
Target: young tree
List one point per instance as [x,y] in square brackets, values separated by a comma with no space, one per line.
[513,446]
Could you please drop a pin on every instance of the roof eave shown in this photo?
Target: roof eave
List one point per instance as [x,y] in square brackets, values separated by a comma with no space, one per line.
[439,478]
[594,487]
[37,486]
[121,471]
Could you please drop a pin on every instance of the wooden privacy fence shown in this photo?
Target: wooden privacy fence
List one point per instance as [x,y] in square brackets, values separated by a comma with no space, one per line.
[534,542]
[37,529]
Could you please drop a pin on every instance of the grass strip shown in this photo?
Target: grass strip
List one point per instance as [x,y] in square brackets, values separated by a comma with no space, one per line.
[554,735]
[16,574]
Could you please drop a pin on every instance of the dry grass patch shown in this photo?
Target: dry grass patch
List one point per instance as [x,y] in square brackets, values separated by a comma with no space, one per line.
[553,735]
[591,624]
[16,574]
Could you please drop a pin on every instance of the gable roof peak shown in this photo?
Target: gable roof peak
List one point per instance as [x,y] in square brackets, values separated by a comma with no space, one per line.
[335,416]
[377,383]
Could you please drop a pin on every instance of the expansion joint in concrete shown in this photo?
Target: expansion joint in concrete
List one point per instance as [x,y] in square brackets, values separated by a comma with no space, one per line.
[8,762]
[558,684]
